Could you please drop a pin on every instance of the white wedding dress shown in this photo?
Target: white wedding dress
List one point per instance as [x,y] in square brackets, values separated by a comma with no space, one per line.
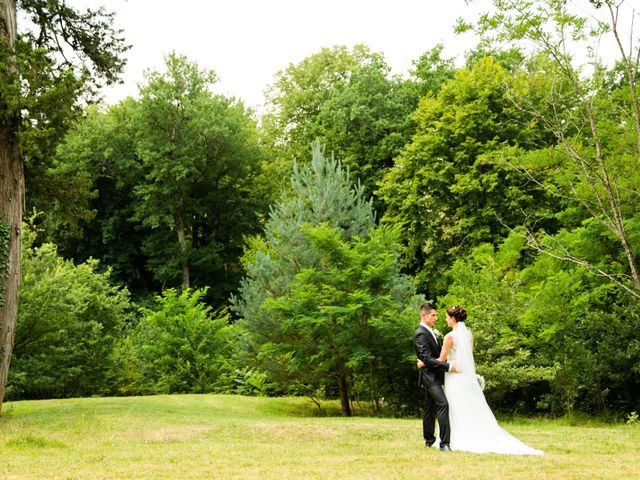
[473,426]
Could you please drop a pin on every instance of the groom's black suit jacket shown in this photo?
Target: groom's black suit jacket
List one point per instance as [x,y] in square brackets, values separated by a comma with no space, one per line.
[428,350]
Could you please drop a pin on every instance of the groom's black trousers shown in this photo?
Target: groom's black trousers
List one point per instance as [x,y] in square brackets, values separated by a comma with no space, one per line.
[435,404]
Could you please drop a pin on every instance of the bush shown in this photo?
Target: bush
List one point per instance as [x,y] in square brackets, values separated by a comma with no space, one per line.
[549,336]
[487,285]
[177,347]
[69,319]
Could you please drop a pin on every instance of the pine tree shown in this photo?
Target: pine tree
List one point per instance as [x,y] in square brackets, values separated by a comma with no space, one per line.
[321,193]
[323,304]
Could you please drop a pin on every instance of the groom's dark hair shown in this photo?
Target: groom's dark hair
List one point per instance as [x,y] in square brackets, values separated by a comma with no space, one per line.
[426,308]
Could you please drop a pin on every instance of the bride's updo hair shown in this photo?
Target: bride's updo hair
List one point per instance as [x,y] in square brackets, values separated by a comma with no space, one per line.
[457,312]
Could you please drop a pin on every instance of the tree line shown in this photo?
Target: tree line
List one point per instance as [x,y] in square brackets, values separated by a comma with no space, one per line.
[179,244]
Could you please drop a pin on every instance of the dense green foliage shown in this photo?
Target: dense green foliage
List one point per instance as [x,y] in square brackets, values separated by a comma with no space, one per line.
[351,102]
[177,346]
[48,71]
[174,180]
[446,190]
[70,319]
[548,338]
[509,186]
[61,60]
[324,305]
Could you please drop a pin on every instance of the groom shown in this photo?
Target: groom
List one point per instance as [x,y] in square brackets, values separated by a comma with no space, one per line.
[431,377]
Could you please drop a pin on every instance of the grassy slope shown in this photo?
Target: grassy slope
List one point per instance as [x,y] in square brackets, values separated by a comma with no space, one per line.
[224,437]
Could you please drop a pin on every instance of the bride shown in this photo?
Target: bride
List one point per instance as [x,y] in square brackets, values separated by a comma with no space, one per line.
[473,426]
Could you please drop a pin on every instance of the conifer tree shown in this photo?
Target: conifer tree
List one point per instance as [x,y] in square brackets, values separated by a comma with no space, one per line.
[323,304]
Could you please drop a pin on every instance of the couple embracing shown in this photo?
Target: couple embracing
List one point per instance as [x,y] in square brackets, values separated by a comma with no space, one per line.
[452,392]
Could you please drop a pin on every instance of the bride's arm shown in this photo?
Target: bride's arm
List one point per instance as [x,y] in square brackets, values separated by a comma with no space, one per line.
[446,346]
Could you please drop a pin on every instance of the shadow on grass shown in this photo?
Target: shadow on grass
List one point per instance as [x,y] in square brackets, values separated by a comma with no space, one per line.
[305,407]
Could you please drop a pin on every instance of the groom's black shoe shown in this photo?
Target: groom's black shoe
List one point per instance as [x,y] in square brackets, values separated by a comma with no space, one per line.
[445,448]
[428,444]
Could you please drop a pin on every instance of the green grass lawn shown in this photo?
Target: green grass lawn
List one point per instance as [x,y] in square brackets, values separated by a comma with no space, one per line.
[232,437]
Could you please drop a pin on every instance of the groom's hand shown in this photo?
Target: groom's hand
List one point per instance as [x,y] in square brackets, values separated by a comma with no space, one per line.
[452,367]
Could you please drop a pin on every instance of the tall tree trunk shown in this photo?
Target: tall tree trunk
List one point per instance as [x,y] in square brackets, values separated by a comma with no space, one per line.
[182,240]
[11,201]
[344,395]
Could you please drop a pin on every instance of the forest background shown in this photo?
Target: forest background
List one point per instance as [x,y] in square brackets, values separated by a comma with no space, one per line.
[176,243]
